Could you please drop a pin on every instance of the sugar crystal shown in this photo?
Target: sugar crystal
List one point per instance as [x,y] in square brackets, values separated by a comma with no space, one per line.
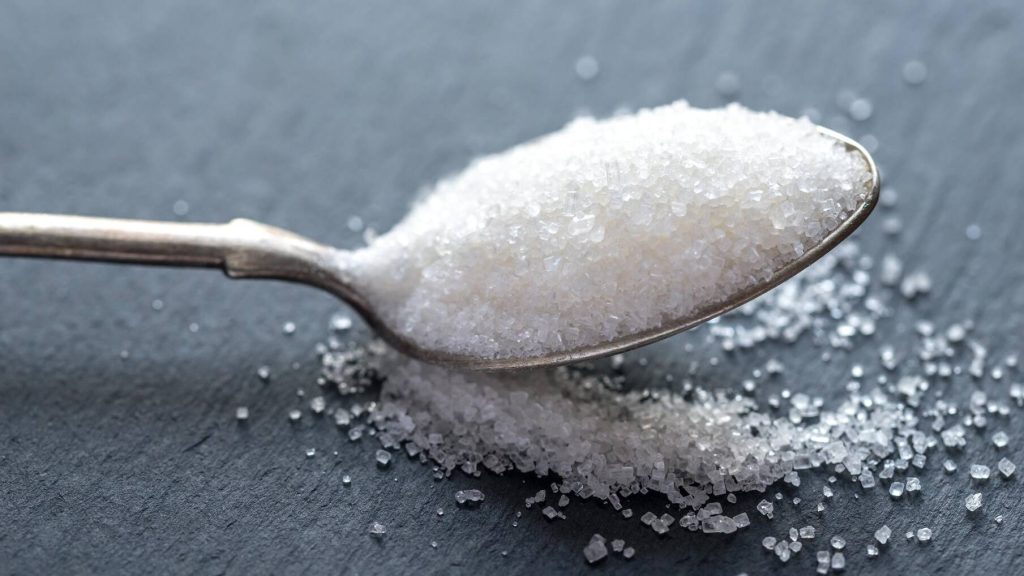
[980,472]
[377,530]
[1006,468]
[596,550]
[469,497]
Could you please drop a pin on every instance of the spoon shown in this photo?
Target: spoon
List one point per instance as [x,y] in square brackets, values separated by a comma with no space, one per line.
[247,249]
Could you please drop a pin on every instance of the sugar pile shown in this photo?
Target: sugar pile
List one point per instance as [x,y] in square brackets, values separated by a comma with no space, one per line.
[608,228]
[608,444]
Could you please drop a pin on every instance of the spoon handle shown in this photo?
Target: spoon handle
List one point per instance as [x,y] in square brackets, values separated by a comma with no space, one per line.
[243,248]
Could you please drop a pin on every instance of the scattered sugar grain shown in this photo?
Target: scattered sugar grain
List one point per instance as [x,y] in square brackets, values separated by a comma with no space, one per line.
[728,85]
[980,472]
[1000,439]
[1006,467]
[896,489]
[915,72]
[596,550]
[587,68]
[469,498]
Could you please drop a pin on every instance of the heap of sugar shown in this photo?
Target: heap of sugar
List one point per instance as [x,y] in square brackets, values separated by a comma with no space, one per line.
[607,228]
[604,443]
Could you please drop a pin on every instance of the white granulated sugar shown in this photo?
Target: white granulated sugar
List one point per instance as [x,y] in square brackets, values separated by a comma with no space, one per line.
[601,442]
[607,228]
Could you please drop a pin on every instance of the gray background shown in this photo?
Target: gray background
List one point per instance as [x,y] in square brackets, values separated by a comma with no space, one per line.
[301,114]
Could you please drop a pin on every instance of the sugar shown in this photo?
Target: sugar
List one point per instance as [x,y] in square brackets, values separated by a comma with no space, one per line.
[980,472]
[242,413]
[1000,439]
[727,85]
[587,68]
[896,489]
[377,530]
[719,524]
[596,550]
[913,484]
[915,72]
[602,434]
[1006,468]
[535,250]
[973,502]
[861,109]
[469,497]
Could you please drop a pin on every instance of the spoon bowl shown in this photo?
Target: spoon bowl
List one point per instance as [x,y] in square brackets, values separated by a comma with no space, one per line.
[247,249]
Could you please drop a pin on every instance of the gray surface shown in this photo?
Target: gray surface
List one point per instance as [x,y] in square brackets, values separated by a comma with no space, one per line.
[303,113]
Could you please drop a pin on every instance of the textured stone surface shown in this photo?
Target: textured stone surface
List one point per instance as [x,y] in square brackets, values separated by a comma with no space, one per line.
[302,114]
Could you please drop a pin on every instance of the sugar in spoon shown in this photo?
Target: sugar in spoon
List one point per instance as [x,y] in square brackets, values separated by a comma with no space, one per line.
[247,249]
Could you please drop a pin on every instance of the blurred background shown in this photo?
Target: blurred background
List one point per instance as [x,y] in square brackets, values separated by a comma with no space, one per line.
[118,448]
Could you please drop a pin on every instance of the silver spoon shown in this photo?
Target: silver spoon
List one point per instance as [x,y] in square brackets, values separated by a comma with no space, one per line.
[247,249]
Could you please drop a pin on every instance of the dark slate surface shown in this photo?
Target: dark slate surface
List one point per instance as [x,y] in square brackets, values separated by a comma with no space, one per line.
[300,114]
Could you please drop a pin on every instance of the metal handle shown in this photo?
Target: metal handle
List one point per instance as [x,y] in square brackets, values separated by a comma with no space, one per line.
[243,248]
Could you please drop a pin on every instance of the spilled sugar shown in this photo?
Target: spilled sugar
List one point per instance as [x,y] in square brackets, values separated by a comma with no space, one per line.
[602,442]
[602,434]
[601,437]
[659,215]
